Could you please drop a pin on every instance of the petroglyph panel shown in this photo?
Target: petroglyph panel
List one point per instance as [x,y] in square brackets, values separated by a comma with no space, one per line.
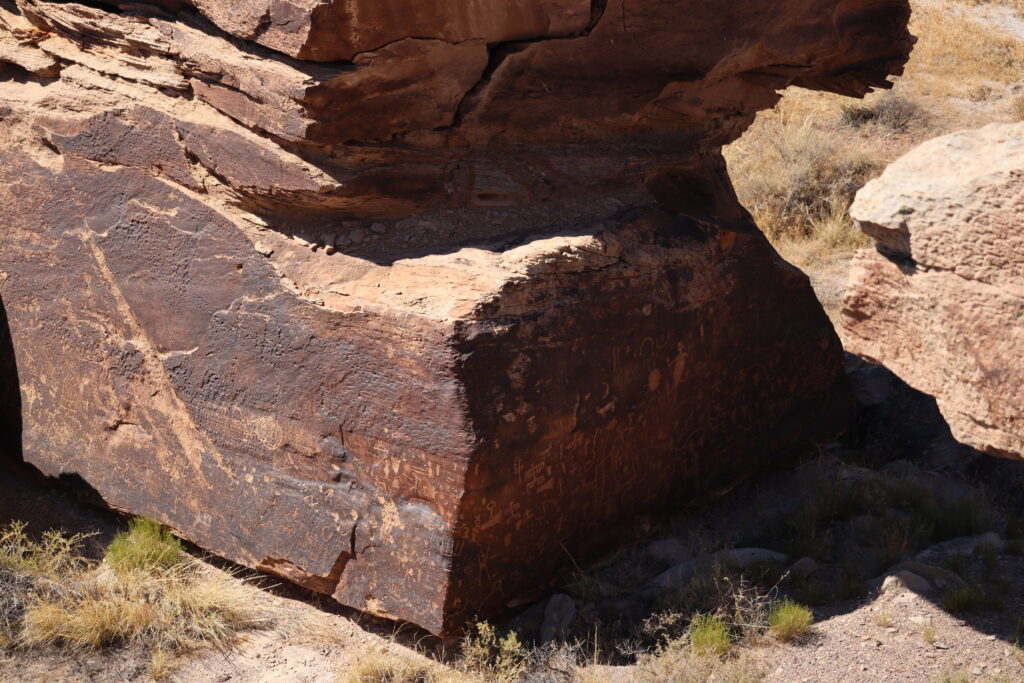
[395,308]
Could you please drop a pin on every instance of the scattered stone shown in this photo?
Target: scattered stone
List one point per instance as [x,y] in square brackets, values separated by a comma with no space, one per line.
[263,249]
[965,545]
[559,615]
[803,568]
[904,579]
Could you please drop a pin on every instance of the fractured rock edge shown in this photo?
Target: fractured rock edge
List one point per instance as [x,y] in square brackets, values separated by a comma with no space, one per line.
[941,301]
[429,425]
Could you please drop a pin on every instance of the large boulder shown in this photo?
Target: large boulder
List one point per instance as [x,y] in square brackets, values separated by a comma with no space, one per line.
[421,328]
[940,302]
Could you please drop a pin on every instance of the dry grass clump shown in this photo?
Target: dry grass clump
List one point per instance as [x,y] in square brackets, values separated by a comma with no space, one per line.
[386,666]
[148,595]
[28,567]
[1017,108]
[889,111]
[798,178]
[788,620]
[676,662]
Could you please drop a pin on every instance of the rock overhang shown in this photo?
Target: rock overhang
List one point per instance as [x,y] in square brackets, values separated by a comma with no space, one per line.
[424,307]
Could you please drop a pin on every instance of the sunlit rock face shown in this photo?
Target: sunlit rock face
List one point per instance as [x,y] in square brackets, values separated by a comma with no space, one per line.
[940,302]
[412,304]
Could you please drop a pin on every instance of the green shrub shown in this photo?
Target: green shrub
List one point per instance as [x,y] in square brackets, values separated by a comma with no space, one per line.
[965,517]
[145,545]
[788,620]
[990,558]
[970,599]
[812,593]
[709,635]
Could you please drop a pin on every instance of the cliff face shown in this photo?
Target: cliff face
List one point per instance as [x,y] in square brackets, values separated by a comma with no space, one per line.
[410,303]
[940,302]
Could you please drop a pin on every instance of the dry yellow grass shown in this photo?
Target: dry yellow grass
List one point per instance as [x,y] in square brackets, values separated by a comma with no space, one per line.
[385,665]
[52,596]
[676,662]
[799,165]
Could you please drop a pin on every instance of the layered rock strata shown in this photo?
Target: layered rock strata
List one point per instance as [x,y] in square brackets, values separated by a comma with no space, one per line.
[940,302]
[422,324]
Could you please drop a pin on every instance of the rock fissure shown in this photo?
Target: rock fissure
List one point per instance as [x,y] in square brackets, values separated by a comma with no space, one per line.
[428,286]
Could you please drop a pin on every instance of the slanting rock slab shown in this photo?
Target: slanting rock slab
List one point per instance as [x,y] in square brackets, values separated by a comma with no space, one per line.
[417,328]
[940,302]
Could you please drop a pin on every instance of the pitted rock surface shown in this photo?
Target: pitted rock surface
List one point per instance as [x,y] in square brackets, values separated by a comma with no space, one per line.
[941,301]
[410,304]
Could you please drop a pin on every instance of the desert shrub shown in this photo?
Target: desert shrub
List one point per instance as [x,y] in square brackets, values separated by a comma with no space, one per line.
[676,662]
[851,582]
[967,516]
[812,593]
[954,676]
[739,604]
[892,112]
[709,634]
[29,567]
[52,596]
[970,599]
[497,658]
[800,178]
[788,620]
[144,545]
[989,555]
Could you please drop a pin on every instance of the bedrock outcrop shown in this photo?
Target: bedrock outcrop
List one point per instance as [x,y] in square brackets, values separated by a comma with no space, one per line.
[940,302]
[411,304]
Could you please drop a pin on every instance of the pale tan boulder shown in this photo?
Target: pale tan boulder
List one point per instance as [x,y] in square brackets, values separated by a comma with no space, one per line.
[941,301]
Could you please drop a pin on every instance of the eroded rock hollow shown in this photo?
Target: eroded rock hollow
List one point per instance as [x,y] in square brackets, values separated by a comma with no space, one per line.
[411,303]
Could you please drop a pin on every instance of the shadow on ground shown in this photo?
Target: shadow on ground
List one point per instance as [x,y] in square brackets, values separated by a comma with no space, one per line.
[897,494]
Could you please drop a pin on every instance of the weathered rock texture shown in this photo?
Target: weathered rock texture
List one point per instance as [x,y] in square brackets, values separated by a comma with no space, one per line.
[417,328]
[941,301]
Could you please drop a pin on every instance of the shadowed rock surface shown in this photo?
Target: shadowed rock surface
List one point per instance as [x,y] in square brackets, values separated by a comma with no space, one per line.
[417,328]
[941,301]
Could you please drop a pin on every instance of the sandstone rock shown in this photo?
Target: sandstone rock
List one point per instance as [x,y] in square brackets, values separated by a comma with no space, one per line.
[937,576]
[550,316]
[904,579]
[941,301]
[965,545]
